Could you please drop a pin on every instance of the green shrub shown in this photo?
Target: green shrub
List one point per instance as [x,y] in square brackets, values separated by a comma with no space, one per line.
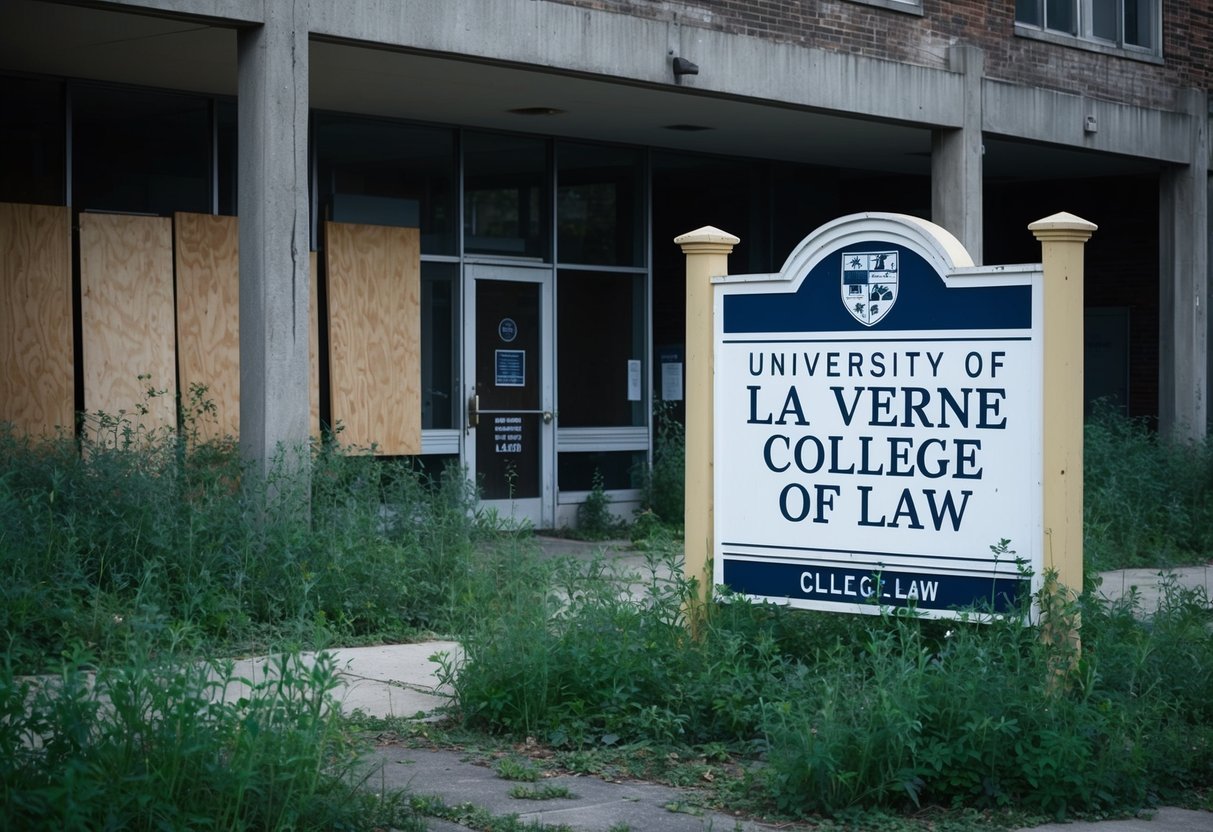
[1148,500]
[884,711]
[129,527]
[662,483]
[154,744]
[594,518]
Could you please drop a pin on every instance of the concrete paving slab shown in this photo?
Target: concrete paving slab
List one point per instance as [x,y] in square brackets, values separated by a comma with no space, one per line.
[1149,584]
[595,806]
[390,680]
[1163,820]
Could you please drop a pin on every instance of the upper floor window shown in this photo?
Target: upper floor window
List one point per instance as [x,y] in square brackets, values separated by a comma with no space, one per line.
[1127,24]
[911,6]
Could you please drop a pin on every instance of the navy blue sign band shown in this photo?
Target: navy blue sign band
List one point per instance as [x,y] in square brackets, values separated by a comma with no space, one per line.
[890,588]
[920,301]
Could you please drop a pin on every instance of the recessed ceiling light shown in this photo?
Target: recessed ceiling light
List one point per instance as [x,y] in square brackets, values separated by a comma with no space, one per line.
[687,128]
[536,111]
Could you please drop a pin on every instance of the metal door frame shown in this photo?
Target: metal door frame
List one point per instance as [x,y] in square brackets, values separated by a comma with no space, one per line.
[539,511]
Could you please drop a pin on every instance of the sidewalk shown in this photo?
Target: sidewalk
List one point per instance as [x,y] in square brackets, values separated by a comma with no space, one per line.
[401,681]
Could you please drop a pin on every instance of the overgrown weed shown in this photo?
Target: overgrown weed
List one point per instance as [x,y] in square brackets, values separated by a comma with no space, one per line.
[132,525]
[853,713]
[154,742]
[1148,499]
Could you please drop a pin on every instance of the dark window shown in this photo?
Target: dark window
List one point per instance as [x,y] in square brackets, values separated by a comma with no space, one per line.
[32,142]
[226,155]
[1060,16]
[1116,22]
[619,469]
[381,172]
[439,304]
[601,329]
[599,205]
[505,195]
[140,151]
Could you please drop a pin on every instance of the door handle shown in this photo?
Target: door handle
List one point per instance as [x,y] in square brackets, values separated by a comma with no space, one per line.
[547,417]
[474,411]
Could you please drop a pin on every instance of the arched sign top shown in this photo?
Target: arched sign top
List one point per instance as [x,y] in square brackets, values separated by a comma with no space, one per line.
[935,244]
[876,272]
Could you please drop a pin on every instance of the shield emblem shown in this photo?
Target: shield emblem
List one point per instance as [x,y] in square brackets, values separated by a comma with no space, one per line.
[869,284]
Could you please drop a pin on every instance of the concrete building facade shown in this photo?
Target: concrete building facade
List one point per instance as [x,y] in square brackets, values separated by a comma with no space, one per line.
[549,151]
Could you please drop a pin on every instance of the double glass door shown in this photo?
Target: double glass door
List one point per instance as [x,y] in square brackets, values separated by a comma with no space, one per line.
[510,423]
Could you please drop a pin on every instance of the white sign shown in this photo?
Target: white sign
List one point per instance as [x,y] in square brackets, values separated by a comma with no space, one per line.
[873,448]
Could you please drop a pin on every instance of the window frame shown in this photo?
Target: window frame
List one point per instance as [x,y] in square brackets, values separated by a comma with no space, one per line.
[913,7]
[1085,38]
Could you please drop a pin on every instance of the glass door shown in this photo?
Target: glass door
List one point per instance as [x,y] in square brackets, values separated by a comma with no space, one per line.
[509,422]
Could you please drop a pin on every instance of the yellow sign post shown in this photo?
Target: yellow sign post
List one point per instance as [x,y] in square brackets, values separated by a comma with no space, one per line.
[707,250]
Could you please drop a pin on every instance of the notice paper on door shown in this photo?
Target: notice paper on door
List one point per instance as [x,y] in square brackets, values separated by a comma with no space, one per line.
[671,381]
[511,368]
[633,380]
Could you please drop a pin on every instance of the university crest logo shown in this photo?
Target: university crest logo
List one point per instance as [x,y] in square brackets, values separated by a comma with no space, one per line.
[869,284]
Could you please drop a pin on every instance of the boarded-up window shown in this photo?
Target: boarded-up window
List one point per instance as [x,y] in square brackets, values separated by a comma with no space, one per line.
[373,279]
[37,379]
[208,320]
[126,307]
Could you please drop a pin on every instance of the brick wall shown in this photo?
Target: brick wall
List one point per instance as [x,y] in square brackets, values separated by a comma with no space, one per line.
[855,27]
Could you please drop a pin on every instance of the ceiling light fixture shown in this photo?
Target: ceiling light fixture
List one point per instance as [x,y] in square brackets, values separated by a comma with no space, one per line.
[536,111]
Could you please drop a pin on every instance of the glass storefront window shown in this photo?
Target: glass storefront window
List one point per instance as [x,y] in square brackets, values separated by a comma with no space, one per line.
[140,151]
[505,195]
[226,156]
[439,308]
[599,205]
[619,469]
[32,141]
[600,329]
[386,173]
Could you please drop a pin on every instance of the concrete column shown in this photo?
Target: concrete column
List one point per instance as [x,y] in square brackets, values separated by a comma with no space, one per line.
[707,251]
[1183,280]
[272,61]
[956,158]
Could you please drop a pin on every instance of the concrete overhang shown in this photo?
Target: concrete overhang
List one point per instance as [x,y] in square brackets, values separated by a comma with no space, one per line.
[470,63]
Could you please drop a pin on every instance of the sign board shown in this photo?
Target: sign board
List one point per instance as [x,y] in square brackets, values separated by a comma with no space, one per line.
[878,425]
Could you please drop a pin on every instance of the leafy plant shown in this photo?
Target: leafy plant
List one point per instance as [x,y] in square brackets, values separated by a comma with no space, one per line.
[155,743]
[594,518]
[1148,500]
[545,792]
[511,768]
[663,488]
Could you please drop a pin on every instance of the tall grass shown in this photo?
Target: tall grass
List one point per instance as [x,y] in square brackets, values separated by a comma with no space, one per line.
[155,743]
[129,559]
[97,540]
[1148,499]
[875,712]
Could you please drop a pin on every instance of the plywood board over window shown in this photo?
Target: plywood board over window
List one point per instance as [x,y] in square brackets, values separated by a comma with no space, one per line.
[126,308]
[313,344]
[37,382]
[374,279]
[207,254]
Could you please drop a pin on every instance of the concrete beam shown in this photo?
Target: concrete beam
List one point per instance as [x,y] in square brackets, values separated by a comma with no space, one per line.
[1183,236]
[563,38]
[1040,115]
[272,109]
[956,157]
[213,11]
